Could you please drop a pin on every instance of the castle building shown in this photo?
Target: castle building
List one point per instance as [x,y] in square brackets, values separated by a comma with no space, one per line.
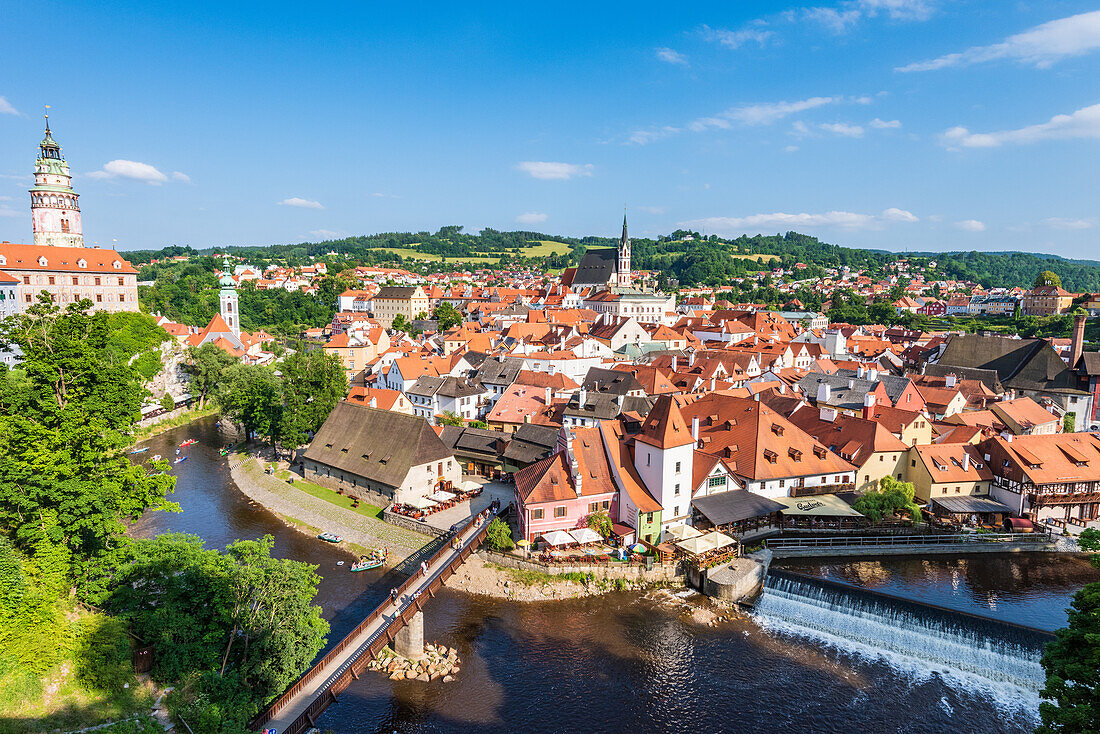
[55,209]
[58,263]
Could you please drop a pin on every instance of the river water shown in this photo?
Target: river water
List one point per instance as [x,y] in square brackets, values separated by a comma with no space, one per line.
[624,663]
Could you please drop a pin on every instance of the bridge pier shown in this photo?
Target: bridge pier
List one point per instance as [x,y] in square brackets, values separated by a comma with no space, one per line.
[409,641]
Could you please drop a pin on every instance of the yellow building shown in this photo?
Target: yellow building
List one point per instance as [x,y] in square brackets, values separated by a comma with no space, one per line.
[357,349]
[948,470]
[409,301]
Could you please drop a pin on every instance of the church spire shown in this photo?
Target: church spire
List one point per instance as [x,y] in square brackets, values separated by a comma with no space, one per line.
[623,271]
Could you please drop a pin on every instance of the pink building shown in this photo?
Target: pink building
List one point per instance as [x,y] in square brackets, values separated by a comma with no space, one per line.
[560,492]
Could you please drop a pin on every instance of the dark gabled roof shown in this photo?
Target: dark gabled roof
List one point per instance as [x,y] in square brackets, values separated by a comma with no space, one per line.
[477,443]
[605,406]
[1089,364]
[499,370]
[396,292]
[986,377]
[616,382]
[735,505]
[449,386]
[377,444]
[530,443]
[597,267]
[475,359]
[1022,364]
[893,384]
[964,505]
[840,394]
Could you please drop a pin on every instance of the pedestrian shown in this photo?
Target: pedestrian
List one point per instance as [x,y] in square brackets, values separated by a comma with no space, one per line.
[424,567]
[393,595]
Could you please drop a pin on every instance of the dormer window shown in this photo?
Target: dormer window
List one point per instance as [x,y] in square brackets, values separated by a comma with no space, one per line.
[794,454]
[771,456]
[777,429]
[42,261]
[117,265]
[820,452]
[82,263]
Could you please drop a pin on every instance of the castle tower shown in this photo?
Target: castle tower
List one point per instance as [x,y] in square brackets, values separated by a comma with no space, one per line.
[227,298]
[55,212]
[623,271]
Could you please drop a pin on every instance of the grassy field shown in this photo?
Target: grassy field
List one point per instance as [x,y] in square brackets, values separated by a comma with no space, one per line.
[541,248]
[430,257]
[337,499]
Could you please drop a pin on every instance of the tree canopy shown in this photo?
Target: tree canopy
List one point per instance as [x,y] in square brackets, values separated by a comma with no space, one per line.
[892,496]
[1072,665]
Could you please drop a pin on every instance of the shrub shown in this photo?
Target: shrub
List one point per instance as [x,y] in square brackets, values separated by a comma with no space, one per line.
[892,496]
[498,536]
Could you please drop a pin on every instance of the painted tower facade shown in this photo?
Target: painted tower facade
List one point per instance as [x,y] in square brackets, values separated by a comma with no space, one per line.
[623,271]
[227,298]
[55,210]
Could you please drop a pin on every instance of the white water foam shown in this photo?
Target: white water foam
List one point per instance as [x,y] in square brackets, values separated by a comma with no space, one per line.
[970,662]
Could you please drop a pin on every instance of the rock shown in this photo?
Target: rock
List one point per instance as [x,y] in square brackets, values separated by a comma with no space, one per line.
[409,675]
[397,676]
[423,677]
[448,678]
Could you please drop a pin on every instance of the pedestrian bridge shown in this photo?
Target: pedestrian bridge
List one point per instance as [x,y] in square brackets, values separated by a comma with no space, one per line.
[297,709]
[889,545]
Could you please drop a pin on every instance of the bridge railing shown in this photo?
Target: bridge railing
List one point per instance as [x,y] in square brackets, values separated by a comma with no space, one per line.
[848,541]
[374,645]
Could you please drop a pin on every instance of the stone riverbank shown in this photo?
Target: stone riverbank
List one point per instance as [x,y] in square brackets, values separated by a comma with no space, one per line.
[294,504]
[439,663]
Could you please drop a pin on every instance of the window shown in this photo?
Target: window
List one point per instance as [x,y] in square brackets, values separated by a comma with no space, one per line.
[76,280]
[881,457]
[913,462]
[26,280]
[957,490]
[782,483]
[676,491]
[648,456]
[121,297]
[536,514]
[50,280]
[677,468]
[559,511]
[649,517]
[605,505]
[122,281]
[676,511]
[593,507]
[97,280]
[716,482]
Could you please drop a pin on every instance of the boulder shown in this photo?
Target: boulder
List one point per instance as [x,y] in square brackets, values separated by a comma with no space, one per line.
[448,678]
[423,677]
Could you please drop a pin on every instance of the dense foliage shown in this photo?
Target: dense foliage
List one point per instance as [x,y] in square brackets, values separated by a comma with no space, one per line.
[287,405]
[498,536]
[233,628]
[892,497]
[1072,665]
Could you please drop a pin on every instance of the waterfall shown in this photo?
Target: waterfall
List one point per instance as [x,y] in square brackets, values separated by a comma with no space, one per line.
[906,634]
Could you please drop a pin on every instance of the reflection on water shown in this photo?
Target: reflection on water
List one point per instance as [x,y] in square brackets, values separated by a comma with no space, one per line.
[620,663]
[1025,588]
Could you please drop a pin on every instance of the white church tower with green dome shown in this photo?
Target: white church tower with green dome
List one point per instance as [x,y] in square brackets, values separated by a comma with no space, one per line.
[227,298]
[55,210]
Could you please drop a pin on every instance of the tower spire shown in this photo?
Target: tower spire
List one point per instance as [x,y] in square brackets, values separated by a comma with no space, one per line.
[46,114]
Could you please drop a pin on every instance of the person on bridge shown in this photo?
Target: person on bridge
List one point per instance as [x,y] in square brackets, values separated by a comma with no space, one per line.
[424,567]
[393,595]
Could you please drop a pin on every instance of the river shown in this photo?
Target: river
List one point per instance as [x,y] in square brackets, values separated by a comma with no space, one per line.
[624,663]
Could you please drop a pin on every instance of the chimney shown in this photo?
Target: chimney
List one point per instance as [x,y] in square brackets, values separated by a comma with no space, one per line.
[872,374]
[582,397]
[674,363]
[691,359]
[824,392]
[860,372]
[695,428]
[1077,344]
[950,380]
[868,405]
[549,395]
[373,402]
[712,384]
[828,414]
[966,461]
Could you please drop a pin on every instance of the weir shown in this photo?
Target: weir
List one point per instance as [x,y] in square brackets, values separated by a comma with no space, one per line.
[932,636]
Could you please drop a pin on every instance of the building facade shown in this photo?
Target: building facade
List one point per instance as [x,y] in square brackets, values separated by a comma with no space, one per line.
[55,210]
[69,274]
[408,301]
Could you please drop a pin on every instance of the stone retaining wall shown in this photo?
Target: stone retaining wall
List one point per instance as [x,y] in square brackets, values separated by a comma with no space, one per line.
[413,524]
[634,572]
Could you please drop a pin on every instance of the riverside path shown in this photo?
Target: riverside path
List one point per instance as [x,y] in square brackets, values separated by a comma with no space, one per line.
[297,709]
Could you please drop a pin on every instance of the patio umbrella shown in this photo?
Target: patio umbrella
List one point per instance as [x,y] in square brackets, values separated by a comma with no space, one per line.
[556,553]
[585,535]
[638,548]
[523,543]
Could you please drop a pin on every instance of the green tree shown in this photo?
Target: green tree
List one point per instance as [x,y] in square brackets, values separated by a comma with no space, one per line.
[1072,665]
[252,395]
[313,383]
[891,497]
[1047,277]
[498,536]
[447,316]
[207,365]
[600,522]
[167,403]
[451,419]
[400,323]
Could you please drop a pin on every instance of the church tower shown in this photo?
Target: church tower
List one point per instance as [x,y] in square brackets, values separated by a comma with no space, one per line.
[227,298]
[55,212]
[623,271]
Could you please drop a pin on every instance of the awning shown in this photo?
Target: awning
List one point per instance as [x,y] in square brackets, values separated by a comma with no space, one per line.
[420,503]
[734,506]
[585,535]
[681,532]
[706,543]
[970,505]
[621,530]
[441,496]
[469,486]
[558,537]
[822,505]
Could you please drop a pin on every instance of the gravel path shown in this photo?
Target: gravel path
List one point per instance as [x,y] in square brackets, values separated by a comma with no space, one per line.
[282,498]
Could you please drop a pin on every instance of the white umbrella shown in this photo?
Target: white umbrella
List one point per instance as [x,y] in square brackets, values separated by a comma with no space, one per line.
[585,535]
[420,503]
[441,496]
[558,537]
[681,532]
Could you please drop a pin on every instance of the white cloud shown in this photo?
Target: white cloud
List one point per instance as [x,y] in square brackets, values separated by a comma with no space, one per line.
[652,209]
[777,220]
[847,14]
[843,129]
[1084,123]
[531,218]
[791,148]
[738,38]
[326,233]
[6,211]
[884,124]
[6,198]
[671,57]
[554,171]
[894,214]
[768,112]
[133,170]
[971,225]
[300,203]
[835,19]
[181,176]
[1061,223]
[1041,46]
[6,107]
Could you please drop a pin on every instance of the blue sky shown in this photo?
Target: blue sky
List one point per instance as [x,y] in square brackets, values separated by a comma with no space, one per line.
[900,124]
